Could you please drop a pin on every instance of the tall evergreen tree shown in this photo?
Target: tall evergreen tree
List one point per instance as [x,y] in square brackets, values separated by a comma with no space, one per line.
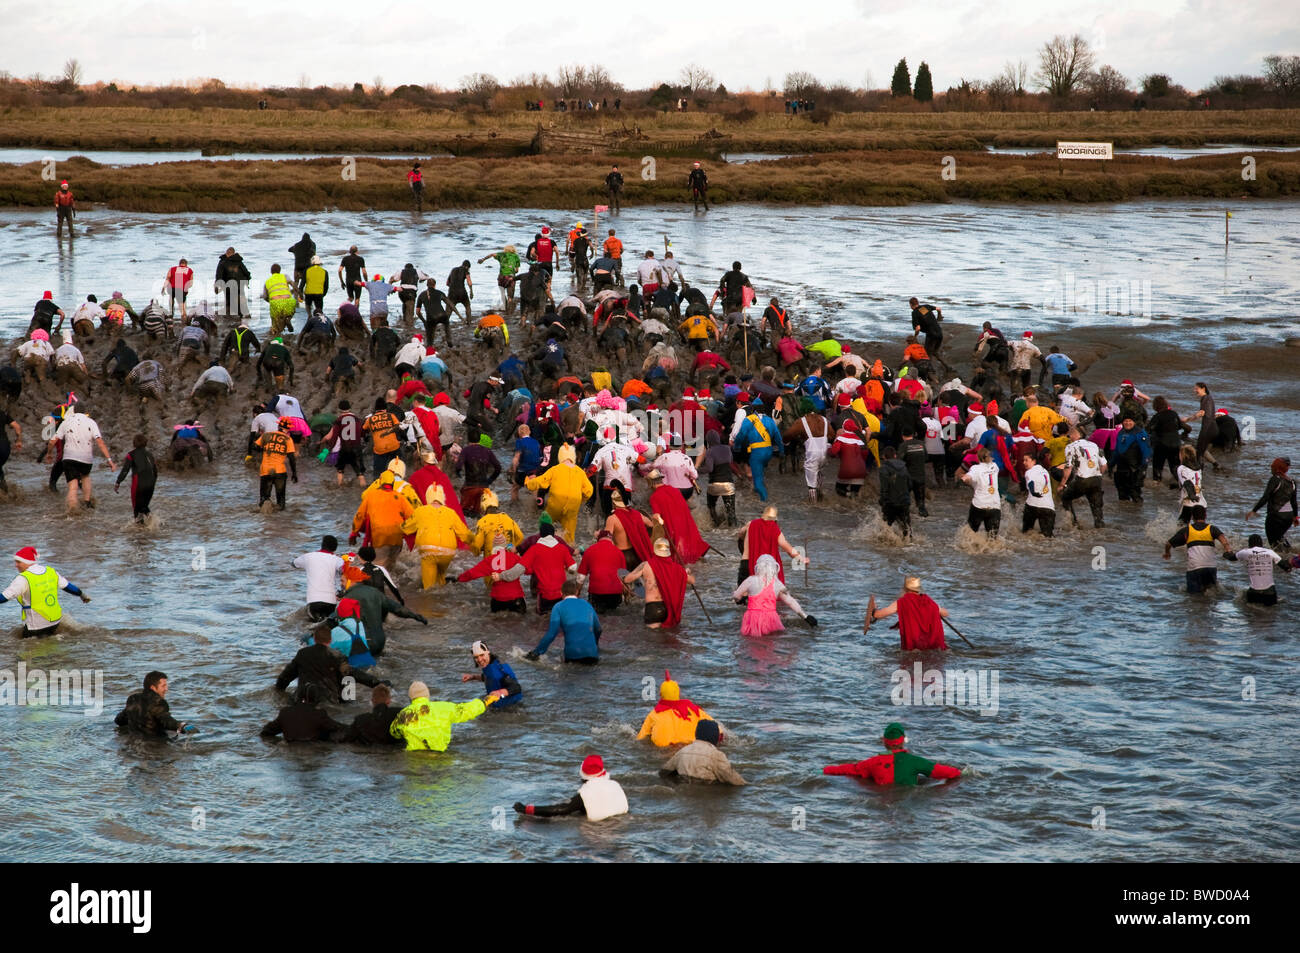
[924,91]
[901,84]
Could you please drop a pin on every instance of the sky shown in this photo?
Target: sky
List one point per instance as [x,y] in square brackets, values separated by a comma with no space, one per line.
[744,43]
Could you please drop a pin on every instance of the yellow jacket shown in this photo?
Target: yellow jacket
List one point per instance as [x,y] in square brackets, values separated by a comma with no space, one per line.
[666,728]
[426,725]
[386,512]
[487,529]
[873,427]
[437,525]
[566,481]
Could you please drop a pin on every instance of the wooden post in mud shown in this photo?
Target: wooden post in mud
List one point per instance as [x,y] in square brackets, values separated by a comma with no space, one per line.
[1226,215]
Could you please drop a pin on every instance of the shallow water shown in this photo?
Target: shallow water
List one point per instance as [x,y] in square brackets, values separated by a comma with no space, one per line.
[1168,152]
[21,155]
[1117,691]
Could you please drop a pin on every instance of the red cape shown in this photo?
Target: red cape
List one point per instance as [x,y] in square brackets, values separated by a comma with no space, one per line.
[679,523]
[671,578]
[426,477]
[429,424]
[634,526]
[919,624]
[762,538]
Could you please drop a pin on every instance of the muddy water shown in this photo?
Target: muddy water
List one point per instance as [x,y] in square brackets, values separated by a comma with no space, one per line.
[1118,693]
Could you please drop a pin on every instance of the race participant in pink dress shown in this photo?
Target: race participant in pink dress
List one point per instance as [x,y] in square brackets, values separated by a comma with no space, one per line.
[763,589]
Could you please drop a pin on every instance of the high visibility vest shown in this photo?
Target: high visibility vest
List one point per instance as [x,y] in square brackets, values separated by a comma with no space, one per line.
[1195,537]
[43,594]
[278,288]
[314,280]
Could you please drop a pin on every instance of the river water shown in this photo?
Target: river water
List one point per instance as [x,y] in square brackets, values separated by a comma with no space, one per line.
[1121,731]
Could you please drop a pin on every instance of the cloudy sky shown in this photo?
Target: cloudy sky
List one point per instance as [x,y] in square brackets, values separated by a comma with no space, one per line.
[745,43]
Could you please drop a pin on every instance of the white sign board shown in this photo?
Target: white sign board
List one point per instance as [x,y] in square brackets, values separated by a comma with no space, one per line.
[1085,150]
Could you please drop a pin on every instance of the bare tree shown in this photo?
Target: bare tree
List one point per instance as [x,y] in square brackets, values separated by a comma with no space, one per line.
[801,84]
[1001,90]
[697,79]
[572,81]
[304,81]
[479,87]
[1282,73]
[71,74]
[1064,64]
[599,82]
[1107,84]
[1017,74]
[377,87]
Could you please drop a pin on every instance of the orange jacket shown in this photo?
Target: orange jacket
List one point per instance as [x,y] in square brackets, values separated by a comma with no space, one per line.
[383,513]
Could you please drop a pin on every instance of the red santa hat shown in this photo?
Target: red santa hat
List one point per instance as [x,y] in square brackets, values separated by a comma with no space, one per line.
[1028,335]
[975,408]
[593,766]
[26,555]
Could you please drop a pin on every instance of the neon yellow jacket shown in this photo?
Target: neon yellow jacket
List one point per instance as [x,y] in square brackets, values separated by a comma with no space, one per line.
[566,481]
[426,725]
[873,427]
[489,526]
[437,526]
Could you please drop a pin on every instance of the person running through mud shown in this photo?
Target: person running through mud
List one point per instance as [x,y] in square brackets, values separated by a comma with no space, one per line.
[80,435]
[698,180]
[507,260]
[614,186]
[179,280]
[460,290]
[352,275]
[143,468]
[277,450]
[304,256]
[925,320]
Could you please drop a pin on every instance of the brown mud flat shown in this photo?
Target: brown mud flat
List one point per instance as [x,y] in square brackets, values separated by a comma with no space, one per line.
[468,133]
[1105,357]
[876,178]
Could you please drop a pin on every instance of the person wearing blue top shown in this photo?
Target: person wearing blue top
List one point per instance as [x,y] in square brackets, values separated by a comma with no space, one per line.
[1060,366]
[527,461]
[1130,456]
[511,370]
[348,634]
[435,368]
[816,389]
[495,675]
[576,620]
[761,437]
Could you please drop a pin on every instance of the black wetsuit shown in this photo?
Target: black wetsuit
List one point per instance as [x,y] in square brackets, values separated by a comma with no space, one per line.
[372,727]
[148,713]
[320,666]
[302,721]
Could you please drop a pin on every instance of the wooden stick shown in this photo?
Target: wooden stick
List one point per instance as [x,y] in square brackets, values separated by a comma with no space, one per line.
[871,615]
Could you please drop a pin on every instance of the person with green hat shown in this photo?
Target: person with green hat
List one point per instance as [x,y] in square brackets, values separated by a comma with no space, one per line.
[897,765]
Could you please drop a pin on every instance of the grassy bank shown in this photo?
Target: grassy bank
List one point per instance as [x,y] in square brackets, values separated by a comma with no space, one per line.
[422,132]
[852,178]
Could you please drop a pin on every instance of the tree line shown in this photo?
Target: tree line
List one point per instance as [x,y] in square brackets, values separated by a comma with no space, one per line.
[1068,75]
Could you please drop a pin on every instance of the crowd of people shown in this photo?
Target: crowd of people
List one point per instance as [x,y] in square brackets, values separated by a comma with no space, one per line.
[613,413]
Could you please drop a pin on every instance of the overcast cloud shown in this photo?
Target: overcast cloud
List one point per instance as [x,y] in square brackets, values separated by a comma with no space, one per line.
[745,43]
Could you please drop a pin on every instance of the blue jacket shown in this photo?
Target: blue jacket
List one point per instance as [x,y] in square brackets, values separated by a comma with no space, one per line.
[1128,438]
[497,674]
[530,454]
[577,620]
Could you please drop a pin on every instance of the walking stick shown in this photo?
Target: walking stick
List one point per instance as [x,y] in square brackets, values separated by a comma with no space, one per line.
[955,630]
[673,547]
[871,614]
[805,565]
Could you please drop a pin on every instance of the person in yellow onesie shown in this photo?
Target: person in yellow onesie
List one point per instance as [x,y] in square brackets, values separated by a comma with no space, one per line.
[568,487]
[381,515]
[672,721]
[491,523]
[437,530]
[872,432]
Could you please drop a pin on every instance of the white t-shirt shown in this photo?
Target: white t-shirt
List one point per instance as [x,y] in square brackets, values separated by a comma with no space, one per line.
[1187,474]
[1037,480]
[1022,353]
[410,353]
[288,406]
[323,571]
[983,478]
[264,423]
[616,461]
[1084,458]
[35,349]
[670,269]
[78,433]
[647,272]
[1073,409]
[849,385]
[1259,563]
[68,354]
[933,436]
[975,429]
[448,420]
